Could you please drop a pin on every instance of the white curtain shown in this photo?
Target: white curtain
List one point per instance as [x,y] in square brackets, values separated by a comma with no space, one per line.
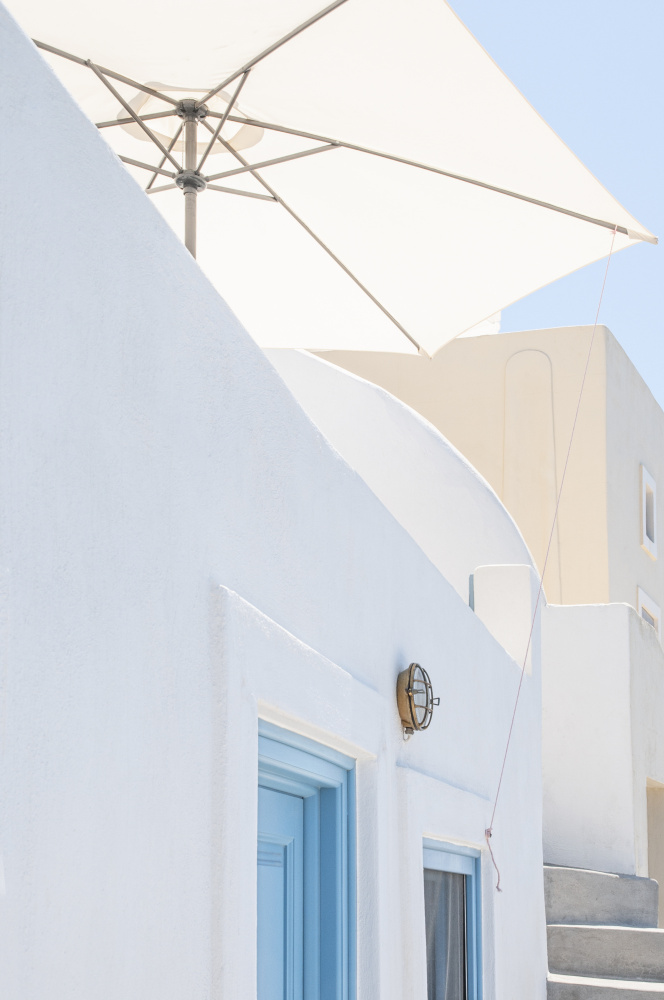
[445,917]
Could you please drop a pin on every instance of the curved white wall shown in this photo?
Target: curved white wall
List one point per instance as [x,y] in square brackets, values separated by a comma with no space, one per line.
[429,487]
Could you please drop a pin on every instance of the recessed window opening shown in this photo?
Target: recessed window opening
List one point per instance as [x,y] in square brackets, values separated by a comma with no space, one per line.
[451,917]
[648,513]
[645,614]
[648,610]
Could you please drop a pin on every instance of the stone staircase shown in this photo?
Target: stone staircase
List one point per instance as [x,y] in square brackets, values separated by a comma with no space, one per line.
[603,938]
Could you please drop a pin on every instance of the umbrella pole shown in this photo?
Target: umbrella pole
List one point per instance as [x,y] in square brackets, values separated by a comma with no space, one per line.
[190,193]
[190,181]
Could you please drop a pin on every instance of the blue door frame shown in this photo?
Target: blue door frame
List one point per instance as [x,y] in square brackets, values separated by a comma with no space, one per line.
[280,899]
[322,781]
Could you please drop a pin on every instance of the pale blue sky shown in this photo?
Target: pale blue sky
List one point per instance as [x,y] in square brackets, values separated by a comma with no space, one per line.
[593,69]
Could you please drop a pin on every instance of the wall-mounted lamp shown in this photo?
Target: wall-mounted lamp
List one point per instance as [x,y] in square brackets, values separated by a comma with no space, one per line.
[415,698]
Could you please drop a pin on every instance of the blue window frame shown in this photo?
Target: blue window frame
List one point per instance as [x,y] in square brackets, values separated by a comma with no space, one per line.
[306,872]
[452,898]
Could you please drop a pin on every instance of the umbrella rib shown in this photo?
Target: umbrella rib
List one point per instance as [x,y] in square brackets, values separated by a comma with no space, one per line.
[269,163]
[223,120]
[163,159]
[102,72]
[108,72]
[320,243]
[272,48]
[443,173]
[128,108]
[245,194]
[162,187]
[146,166]
[128,121]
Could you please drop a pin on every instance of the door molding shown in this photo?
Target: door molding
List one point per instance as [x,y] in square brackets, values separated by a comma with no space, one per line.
[325,779]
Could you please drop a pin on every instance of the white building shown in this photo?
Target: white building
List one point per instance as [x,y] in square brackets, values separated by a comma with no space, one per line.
[199,594]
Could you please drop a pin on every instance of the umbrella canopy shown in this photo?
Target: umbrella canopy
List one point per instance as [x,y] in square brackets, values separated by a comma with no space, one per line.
[431,194]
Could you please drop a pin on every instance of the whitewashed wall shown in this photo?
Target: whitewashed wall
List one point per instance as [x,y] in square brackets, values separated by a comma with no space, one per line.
[603,704]
[586,745]
[420,477]
[182,552]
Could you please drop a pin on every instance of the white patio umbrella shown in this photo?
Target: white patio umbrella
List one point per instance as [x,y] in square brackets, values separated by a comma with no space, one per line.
[370,177]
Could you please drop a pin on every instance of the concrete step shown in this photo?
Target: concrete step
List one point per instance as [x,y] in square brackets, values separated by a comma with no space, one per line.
[585,988]
[578,896]
[611,952]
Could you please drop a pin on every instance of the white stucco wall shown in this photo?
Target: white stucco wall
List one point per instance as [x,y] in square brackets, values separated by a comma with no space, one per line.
[154,466]
[419,476]
[586,738]
[435,782]
[508,600]
[603,704]
[647,708]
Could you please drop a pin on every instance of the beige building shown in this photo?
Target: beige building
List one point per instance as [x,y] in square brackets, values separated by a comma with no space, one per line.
[508,403]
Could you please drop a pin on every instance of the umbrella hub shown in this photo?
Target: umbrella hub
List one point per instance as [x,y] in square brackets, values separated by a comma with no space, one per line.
[191,110]
[191,180]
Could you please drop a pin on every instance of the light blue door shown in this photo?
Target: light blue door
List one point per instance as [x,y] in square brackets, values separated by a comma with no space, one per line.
[280,895]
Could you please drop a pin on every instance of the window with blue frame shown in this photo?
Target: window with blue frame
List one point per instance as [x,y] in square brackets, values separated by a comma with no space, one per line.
[306,844]
[452,921]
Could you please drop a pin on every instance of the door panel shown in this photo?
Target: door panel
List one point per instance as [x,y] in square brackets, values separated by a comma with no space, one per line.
[280,895]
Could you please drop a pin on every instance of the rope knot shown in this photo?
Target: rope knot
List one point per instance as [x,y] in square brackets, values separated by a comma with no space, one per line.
[488,834]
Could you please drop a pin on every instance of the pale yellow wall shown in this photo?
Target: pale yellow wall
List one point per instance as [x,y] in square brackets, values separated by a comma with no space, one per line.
[530,473]
[507,402]
[635,435]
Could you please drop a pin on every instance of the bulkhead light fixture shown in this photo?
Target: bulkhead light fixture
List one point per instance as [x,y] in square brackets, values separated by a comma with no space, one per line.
[415,699]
